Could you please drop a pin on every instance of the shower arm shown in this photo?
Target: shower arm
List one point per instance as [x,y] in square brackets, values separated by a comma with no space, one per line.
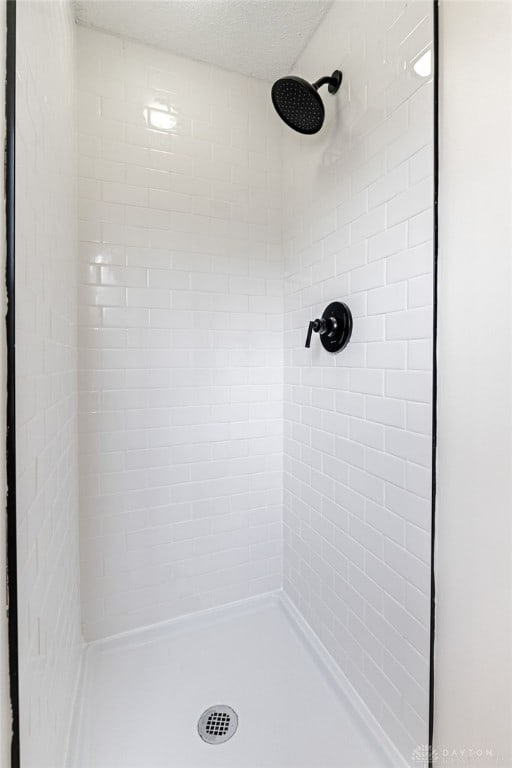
[333,81]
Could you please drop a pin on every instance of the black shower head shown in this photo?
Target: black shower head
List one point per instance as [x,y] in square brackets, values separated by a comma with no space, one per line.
[298,102]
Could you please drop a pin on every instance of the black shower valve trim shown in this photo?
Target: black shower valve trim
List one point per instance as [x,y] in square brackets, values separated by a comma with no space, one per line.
[334,327]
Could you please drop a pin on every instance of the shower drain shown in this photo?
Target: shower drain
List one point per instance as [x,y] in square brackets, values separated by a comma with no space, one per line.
[217,724]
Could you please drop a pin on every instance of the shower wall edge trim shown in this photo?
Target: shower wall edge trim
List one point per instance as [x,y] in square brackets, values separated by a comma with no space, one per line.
[434,383]
[10,437]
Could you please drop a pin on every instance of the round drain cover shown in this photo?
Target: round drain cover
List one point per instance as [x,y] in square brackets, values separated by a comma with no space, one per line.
[217,724]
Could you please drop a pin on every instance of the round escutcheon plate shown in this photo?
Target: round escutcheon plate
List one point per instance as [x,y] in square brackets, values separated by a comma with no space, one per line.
[339,318]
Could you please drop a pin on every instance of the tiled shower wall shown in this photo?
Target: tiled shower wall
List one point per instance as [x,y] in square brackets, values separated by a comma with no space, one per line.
[358,227]
[181,173]
[46,381]
[180,335]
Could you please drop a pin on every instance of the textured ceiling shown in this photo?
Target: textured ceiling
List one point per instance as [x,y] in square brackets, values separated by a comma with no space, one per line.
[262,38]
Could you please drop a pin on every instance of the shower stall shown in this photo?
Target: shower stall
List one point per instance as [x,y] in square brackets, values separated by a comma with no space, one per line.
[224,381]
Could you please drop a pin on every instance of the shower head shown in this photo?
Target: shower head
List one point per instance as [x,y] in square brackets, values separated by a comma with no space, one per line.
[298,102]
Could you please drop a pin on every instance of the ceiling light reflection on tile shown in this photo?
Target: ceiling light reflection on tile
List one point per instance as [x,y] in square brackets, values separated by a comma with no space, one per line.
[160,119]
[423,65]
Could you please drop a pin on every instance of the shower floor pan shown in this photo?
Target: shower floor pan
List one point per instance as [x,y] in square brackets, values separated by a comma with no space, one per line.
[143,693]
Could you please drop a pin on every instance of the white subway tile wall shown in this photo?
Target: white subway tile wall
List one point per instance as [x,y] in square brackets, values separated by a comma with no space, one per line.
[181,358]
[50,642]
[357,435]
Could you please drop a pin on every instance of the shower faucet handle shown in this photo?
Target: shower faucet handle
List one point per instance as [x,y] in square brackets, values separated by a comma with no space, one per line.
[318,326]
[310,331]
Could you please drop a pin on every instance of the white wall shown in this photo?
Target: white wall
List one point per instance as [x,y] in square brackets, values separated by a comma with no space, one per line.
[180,335]
[473,697]
[358,227]
[5,712]
[47,484]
